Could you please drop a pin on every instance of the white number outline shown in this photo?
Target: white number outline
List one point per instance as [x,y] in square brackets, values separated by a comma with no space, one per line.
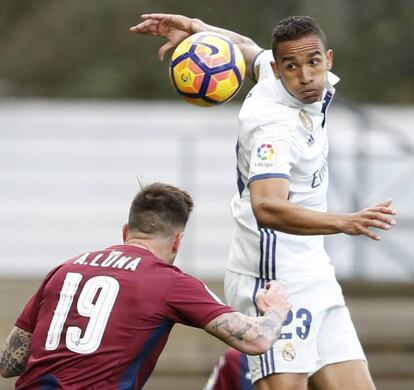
[98,312]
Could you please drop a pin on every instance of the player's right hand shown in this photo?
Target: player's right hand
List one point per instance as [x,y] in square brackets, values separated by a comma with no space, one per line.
[175,28]
[379,216]
[273,297]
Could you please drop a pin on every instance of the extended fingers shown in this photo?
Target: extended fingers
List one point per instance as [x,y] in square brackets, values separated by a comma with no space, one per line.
[149,27]
[164,48]
[154,16]
[378,224]
[385,203]
[364,230]
[378,216]
[383,209]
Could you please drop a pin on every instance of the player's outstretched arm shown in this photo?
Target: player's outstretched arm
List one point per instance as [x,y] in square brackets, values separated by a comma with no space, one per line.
[175,28]
[272,210]
[254,335]
[14,355]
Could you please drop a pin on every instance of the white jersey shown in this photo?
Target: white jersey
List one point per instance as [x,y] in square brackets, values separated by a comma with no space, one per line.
[280,137]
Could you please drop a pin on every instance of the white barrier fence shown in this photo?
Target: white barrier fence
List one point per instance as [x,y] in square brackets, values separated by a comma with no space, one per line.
[68,171]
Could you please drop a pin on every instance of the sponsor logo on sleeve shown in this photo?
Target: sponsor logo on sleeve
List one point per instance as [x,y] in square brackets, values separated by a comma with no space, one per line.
[265,155]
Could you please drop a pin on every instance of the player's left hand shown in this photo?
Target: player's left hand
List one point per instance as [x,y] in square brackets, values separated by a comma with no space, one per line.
[175,28]
[273,297]
[379,216]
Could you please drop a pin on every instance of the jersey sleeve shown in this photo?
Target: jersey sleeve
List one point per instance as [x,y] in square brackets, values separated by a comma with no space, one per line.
[273,156]
[28,317]
[192,303]
[261,65]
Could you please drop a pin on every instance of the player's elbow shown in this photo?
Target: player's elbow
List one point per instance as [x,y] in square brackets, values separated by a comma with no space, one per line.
[8,369]
[5,373]
[260,211]
[268,214]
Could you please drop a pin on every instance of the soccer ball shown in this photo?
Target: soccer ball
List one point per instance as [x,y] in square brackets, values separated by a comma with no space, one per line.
[207,69]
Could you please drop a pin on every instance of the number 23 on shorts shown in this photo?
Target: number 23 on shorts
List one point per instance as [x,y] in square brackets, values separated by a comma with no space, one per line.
[298,322]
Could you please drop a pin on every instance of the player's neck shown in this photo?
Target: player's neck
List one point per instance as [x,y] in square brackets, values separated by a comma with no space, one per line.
[138,243]
[159,247]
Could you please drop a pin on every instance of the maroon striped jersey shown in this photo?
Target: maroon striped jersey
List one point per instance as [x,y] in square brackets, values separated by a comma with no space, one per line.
[101,320]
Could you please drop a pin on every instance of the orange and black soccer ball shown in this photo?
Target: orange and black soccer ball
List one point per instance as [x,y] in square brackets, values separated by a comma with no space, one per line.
[207,69]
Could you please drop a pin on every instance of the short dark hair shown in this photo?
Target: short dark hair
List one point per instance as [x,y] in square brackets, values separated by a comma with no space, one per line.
[295,27]
[159,209]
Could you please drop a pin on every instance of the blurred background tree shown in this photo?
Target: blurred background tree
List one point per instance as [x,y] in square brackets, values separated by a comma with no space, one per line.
[83,49]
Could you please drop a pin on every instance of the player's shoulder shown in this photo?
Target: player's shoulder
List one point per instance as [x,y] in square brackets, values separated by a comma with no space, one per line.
[263,115]
[262,65]
[263,105]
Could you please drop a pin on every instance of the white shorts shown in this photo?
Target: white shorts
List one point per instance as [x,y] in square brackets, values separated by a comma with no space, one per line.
[318,330]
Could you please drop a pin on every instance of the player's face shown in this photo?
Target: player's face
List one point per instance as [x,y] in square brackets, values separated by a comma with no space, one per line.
[302,67]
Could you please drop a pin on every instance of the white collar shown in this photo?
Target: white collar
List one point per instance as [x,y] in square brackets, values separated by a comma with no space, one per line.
[332,79]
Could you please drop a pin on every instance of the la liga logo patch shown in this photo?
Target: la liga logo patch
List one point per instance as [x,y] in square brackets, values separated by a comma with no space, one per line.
[265,152]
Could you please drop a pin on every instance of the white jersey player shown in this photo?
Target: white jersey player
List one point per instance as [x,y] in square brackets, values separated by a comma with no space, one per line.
[280,208]
[280,138]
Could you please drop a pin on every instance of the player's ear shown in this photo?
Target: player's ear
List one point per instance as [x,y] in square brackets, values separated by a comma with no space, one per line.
[329,59]
[177,241]
[275,69]
[124,231]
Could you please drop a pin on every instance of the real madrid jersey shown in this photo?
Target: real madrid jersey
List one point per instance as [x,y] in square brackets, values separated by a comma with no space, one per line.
[280,137]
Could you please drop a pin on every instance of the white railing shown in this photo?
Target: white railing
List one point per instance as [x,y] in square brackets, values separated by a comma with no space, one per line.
[68,171]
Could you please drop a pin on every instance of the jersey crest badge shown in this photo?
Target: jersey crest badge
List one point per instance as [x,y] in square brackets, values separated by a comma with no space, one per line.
[289,353]
[306,120]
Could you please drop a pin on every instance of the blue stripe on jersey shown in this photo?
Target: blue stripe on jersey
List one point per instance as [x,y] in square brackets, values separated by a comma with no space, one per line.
[267,247]
[256,288]
[267,363]
[245,382]
[269,176]
[129,378]
[267,360]
[272,359]
[326,101]
[272,232]
[270,274]
[48,382]
[263,358]
[261,270]
[267,273]
[240,184]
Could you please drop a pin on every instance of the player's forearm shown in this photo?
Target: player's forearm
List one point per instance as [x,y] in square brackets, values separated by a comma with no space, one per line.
[14,355]
[251,335]
[247,46]
[287,217]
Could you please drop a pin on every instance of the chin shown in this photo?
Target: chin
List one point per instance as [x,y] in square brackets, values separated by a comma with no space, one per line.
[310,100]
